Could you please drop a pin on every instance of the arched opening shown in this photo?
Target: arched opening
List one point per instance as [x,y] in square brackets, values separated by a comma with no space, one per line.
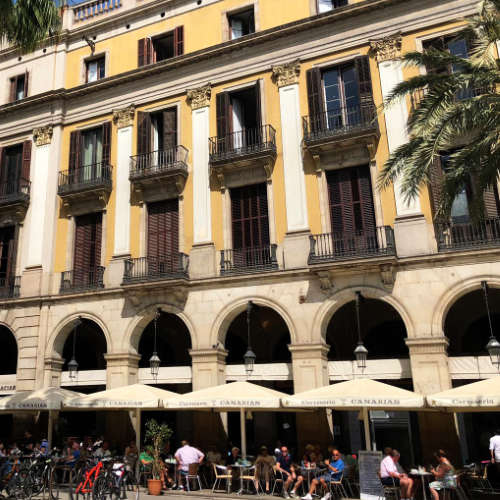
[8,356]
[466,324]
[382,331]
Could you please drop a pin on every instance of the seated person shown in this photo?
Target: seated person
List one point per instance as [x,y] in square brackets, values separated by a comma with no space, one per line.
[103,451]
[288,469]
[390,476]
[74,454]
[264,467]
[444,475]
[185,456]
[334,473]
[309,461]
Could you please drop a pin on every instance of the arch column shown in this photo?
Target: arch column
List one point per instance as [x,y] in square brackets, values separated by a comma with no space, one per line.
[52,372]
[121,369]
[208,367]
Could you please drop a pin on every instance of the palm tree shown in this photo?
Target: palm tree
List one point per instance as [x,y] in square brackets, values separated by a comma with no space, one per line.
[27,23]
[458,114]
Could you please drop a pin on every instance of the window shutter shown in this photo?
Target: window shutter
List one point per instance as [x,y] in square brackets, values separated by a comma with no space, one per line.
[74,150]
[25,169]
[88,240]
[106,143]
[179,41]
[11,255]
[258,112]
[341,201]
[96,240]
[315,99]
[26,76]
[169,128]
[223,107]
[436,177]
[491,203]
[13,85]
[143,133]
[142,49]
[366,199]
[362,65]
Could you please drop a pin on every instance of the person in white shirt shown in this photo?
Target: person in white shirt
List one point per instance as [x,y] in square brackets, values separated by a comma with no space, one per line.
[185,456]
[390,476]
[495,452]
[103,451]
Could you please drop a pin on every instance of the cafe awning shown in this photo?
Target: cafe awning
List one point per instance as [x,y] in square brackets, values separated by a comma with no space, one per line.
[478,396]
[48,398]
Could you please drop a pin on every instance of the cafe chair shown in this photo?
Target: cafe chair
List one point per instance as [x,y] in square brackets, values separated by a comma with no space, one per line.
[350,482]
[193,476]
[337,488]
[221,474]
[250,476]
[278,481]
[389,492]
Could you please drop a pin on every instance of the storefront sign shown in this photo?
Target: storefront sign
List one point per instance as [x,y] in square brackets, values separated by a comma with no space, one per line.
[369,482]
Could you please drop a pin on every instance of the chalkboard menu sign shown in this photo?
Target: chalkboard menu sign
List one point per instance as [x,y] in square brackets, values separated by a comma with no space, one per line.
[369,482]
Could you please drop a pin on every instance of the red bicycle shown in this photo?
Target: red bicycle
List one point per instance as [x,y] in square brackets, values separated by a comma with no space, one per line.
[86,476]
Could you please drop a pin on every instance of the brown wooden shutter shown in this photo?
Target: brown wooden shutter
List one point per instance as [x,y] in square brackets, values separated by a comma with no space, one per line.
[340,199]
[11,254]
[88,239]
[26,76]
[315,100]
[13,85]
[74,150]
[106,143]
[258,112]
[169,128]
[26,162]
[179,41]
[362,177]
[436,178]
[145,51]
[223,118]
[362,65]
[143,133]
[491,203]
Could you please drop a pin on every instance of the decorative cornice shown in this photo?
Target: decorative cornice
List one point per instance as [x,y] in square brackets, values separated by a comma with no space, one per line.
[124,117]
[43,135]
[199,97]
[286,74]
[386,48]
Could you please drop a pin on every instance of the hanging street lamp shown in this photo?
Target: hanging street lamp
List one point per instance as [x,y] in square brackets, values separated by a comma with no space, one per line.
[249,357]
[361,352]
[73,364]
[154,360]
[493,346]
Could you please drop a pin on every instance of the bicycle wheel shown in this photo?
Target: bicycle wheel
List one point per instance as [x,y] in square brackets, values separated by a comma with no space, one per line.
[102,488]
[53,484]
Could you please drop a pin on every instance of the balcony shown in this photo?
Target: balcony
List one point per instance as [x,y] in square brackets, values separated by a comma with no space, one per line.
[15,195]
[94,8]
[82,280]
[10,287]
[88,183]
[146,269]
[330,247]
[456,236]
[419,94]
[248,260]
[254,147]
[147,170]
[343,127]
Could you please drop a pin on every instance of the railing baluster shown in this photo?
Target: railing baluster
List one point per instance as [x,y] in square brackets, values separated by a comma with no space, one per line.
[467,235]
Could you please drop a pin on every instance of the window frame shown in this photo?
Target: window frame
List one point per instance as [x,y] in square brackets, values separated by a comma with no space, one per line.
[238,12]
[13,83]
[92,59]
[330,10]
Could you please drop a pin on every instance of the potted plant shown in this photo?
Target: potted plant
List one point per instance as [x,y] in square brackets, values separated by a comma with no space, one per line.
[157,436]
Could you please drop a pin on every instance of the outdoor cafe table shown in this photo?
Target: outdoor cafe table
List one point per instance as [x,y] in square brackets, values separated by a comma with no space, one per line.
[310,473]
[423,476]
[243,469]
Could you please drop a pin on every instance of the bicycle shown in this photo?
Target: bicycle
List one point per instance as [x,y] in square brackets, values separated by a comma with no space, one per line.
[18,483]
[85,476]
[114,482]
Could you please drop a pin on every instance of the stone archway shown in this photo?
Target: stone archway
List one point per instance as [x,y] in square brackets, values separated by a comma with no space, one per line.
[9,354]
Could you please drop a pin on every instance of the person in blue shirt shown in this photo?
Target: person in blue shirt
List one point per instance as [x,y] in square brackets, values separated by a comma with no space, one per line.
[74,454]
[288,469]
[334,473]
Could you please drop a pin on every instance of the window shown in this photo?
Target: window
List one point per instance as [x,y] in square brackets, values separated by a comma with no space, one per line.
[87,252]
[161,47]
[457,47]
[241,23]
[19,87]
[157,137]
[95,69]
[163,236]
[7,254]
[15,168]
[327,5]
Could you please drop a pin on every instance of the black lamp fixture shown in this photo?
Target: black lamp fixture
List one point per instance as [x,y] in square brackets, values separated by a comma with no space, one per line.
[249,357]
[493,346]
[73,364]
[154,360]
[361,352]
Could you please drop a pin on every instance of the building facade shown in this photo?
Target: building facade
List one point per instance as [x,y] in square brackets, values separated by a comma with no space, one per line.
[193,155]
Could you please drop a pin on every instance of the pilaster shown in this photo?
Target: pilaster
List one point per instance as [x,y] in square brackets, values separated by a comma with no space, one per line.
[121,369]
[52,372]
[209,367]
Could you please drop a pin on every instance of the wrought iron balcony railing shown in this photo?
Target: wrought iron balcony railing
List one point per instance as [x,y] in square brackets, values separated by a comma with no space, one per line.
[248,260]
[352,245]
[453,236]
[15,191]
[158,163]
[419,94]
[339,121]
[85,178]
[10,287]
[242,143]
[81,280]
[156,268]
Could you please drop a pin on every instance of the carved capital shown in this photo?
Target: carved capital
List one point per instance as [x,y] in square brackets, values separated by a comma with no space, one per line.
[124,117]
[200,97]
[325,282]
[43,135]
[387,275]
[286,74]
[386,48]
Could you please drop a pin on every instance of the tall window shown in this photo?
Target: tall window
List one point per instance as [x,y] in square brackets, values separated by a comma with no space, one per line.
[161,47]
[87,253]
[457,47]
[95,69]
[92,146]
[7,254]
[15,169]
[327,5]
[19,87]
[241,23]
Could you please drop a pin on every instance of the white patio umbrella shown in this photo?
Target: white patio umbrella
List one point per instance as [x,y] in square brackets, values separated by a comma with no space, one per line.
[478,396]
[235,396]
[358,394]
[136,397]
[48,398]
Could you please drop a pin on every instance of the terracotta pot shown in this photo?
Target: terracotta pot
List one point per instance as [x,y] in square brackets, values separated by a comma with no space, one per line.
[154,486]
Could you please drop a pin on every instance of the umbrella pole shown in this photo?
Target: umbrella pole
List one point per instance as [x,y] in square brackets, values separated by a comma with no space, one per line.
[137,438]
[50,429]
[243,431]
[366,421]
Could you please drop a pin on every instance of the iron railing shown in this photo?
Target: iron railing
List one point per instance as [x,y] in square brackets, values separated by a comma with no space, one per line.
[156,268]
[417,95]
[338,121]
[85,178]
[158,162]
[14,190]
[352,245]
[244,142]
[467,235]
[80,280]
[248,260]
[10,287]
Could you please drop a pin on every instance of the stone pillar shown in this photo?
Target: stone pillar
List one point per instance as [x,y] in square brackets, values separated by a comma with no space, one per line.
[296,243]
[52,373]
[431,374]
[412,232]
[310,370]
[202,259]
[209,369]
[121,369]
[40,227]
